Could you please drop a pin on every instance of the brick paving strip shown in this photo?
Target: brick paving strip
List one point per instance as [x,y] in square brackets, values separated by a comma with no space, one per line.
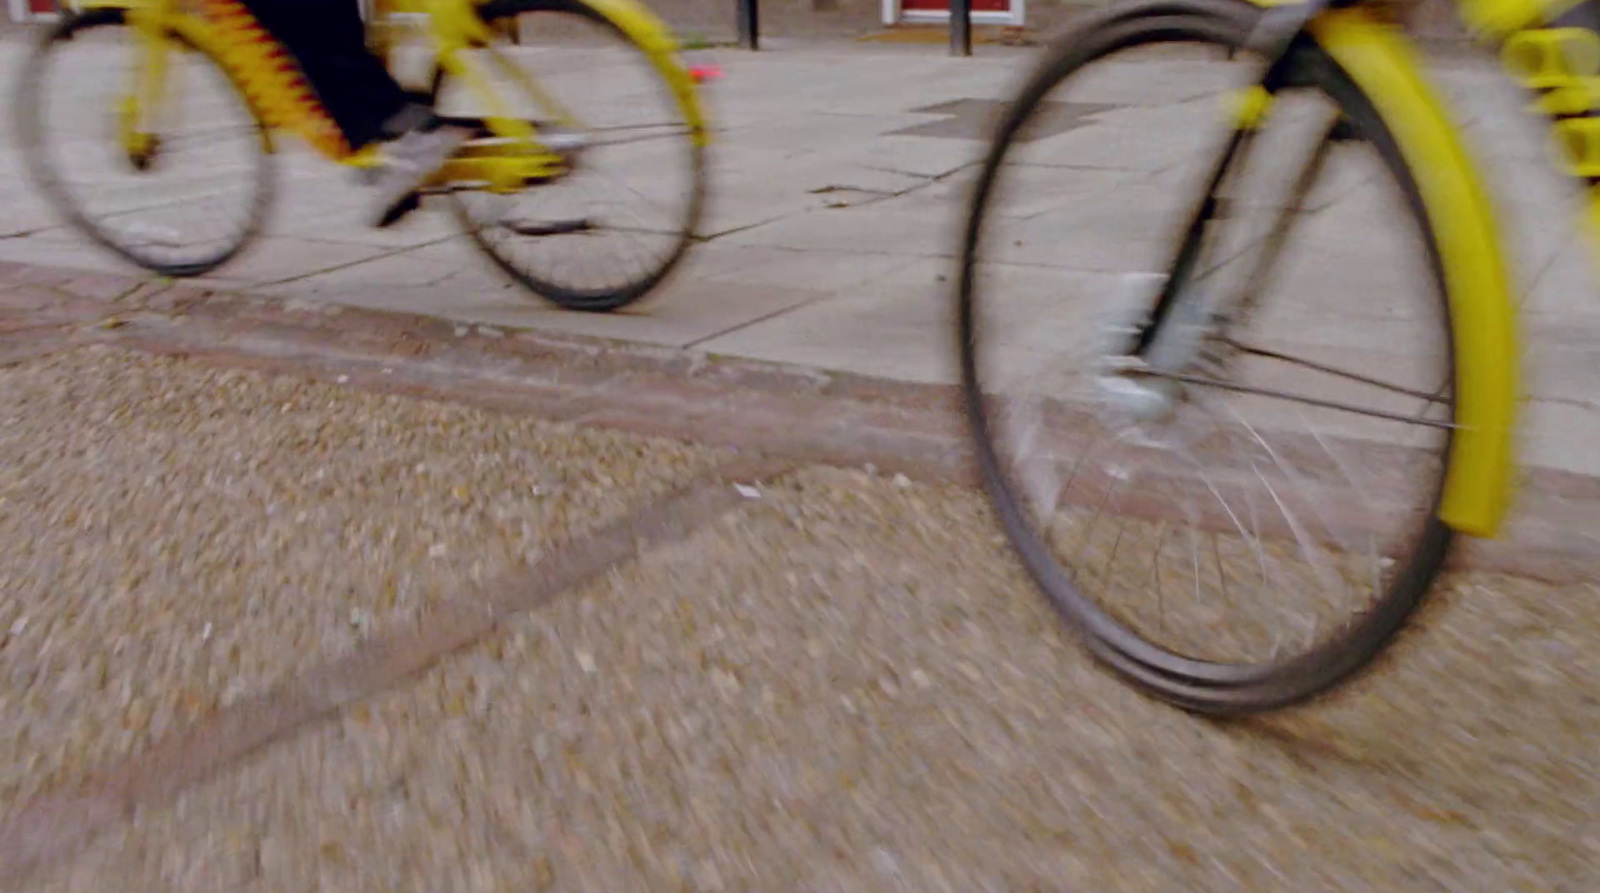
[778,416]
[805,415]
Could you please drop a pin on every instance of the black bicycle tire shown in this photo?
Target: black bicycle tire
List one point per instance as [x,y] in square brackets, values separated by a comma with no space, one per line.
[29,129]
[605,299]
[1195,685]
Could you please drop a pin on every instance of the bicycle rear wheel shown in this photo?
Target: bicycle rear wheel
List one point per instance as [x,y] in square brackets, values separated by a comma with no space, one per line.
[613,229]
[1250,531]
[184,207]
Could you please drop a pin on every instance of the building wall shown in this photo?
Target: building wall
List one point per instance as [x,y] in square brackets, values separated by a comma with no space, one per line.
[1433,20]
[718,19]
[20,10]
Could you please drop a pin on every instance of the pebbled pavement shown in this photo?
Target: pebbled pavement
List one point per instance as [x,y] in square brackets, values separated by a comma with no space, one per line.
[757,673]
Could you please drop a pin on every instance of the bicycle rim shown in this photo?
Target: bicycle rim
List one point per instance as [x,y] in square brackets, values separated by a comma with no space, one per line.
[1161,491]
[600,237]
[191,208]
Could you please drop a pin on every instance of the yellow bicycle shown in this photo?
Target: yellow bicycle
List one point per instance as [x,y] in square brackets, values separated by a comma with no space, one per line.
[171,166]
[1260,364]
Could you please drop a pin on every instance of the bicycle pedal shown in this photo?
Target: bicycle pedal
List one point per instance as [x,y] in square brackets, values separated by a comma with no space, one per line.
[394,215]
[548,228]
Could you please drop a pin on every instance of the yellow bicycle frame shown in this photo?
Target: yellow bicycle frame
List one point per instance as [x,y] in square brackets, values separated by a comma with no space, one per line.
[280,98]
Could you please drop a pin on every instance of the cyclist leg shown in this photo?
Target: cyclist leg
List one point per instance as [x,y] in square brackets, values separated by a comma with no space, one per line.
[328,41]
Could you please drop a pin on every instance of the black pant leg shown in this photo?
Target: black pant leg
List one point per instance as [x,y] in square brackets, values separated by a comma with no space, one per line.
[328,40]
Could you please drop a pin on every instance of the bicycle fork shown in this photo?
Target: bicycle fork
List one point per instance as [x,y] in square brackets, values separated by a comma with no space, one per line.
[1160,350]
[140,109]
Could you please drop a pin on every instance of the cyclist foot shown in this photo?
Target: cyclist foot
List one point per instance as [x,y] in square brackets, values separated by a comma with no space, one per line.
[409,162]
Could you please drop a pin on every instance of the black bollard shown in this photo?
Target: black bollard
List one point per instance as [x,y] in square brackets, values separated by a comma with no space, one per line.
[960,27]
[749,24]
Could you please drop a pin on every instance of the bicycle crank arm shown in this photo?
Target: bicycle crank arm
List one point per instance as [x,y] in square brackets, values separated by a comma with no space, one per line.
[550,135]
[548,227]
[492,165]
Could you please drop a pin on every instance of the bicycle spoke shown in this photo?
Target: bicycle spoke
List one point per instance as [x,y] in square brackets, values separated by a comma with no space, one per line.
[1296,398]
[1344,470]
[1283,465]
[1332,370]
[1277,234]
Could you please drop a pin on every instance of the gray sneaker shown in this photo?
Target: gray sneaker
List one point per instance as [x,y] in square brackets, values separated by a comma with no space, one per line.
[408,162]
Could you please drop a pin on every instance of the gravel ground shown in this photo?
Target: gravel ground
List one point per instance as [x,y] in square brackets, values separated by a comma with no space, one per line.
[845,685]
[174,537]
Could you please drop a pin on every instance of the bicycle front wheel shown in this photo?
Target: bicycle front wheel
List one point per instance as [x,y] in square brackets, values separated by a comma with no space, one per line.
[612,230]
[1247,529]
[187,199]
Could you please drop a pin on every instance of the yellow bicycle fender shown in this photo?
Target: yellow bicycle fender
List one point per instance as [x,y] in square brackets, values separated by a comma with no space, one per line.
[652,35]
[1478,485]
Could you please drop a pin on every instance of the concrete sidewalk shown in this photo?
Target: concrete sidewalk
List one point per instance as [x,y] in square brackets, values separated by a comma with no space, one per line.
[838,186]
